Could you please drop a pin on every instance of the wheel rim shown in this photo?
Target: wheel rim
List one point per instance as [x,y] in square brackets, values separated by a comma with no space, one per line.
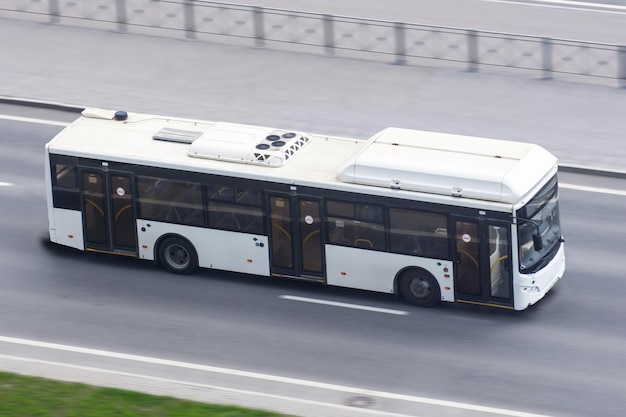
[177,257]
[419,288]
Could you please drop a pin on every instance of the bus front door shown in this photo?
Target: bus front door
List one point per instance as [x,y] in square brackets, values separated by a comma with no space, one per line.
[296,237]
[108,215]
[482,262]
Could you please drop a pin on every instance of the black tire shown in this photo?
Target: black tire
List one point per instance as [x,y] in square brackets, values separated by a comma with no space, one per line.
[178,256]
[420,288]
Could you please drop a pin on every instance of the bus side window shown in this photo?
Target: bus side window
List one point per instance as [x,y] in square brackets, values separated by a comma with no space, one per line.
[369,213]
[221,192]
[369,236]
[170,201]
[250,219]
[64,176]
[418,233]
[249,196]
[146,200]
[164,202]
[65,193]
[356,224]
[222,216]
[189,204]
[337,233]
[238,210]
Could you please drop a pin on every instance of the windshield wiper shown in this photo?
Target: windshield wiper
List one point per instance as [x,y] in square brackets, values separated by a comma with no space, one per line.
[547,257]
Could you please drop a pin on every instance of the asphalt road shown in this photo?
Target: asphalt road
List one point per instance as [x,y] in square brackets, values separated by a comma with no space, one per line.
[563,357]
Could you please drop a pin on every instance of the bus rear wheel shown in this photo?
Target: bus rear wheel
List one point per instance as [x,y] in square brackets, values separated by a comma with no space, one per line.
[178,256]
[420,288]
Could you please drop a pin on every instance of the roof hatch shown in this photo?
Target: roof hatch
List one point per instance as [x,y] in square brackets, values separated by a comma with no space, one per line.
[168,134]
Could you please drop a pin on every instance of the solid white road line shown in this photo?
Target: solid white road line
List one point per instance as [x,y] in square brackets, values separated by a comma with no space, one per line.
[32,120]
[593,189]
[345,305]
[6,184]
[267,377]
[212,393]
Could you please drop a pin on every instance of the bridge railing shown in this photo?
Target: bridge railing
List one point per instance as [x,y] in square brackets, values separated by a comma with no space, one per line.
[401,43]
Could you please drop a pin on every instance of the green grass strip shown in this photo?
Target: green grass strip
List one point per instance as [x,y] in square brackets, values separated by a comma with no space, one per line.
[25,396]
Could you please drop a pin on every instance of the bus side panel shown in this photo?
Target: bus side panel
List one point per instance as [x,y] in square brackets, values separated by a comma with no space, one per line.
[67,228]
[375,271]
[217,249]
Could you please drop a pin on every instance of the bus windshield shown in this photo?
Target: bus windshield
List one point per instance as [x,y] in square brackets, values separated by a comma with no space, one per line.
[543,213]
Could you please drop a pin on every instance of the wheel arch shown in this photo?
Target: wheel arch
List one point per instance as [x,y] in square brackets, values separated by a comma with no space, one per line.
[404,291]
[402,271]
[163,238]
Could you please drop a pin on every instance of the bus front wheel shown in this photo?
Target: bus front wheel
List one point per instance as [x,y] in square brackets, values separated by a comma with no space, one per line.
[178,256]
[420,288]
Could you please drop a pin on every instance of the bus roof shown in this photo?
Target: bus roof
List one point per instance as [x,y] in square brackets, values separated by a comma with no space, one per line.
[400,159]
[461,166]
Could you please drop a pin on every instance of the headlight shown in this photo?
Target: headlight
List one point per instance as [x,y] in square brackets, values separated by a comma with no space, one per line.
[530,290]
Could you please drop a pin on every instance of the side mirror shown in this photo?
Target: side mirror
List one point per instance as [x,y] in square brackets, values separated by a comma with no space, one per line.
[537,242]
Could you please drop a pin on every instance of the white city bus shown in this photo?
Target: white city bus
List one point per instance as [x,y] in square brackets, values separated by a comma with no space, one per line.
[428,216]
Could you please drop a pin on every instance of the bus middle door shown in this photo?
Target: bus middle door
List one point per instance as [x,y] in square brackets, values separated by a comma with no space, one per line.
[296,236]
[108,214]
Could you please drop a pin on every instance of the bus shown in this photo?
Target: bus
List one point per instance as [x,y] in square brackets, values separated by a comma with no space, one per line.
[426,216]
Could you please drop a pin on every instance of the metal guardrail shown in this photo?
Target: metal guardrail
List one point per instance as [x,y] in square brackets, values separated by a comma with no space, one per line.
[403,42]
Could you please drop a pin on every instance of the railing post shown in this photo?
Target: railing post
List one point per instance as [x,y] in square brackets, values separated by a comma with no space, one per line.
[121,15]
[54,11]
[259,31]
[621,66]
[472,50]
[329,35]
[400,44]
[190,22]
[546,54]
